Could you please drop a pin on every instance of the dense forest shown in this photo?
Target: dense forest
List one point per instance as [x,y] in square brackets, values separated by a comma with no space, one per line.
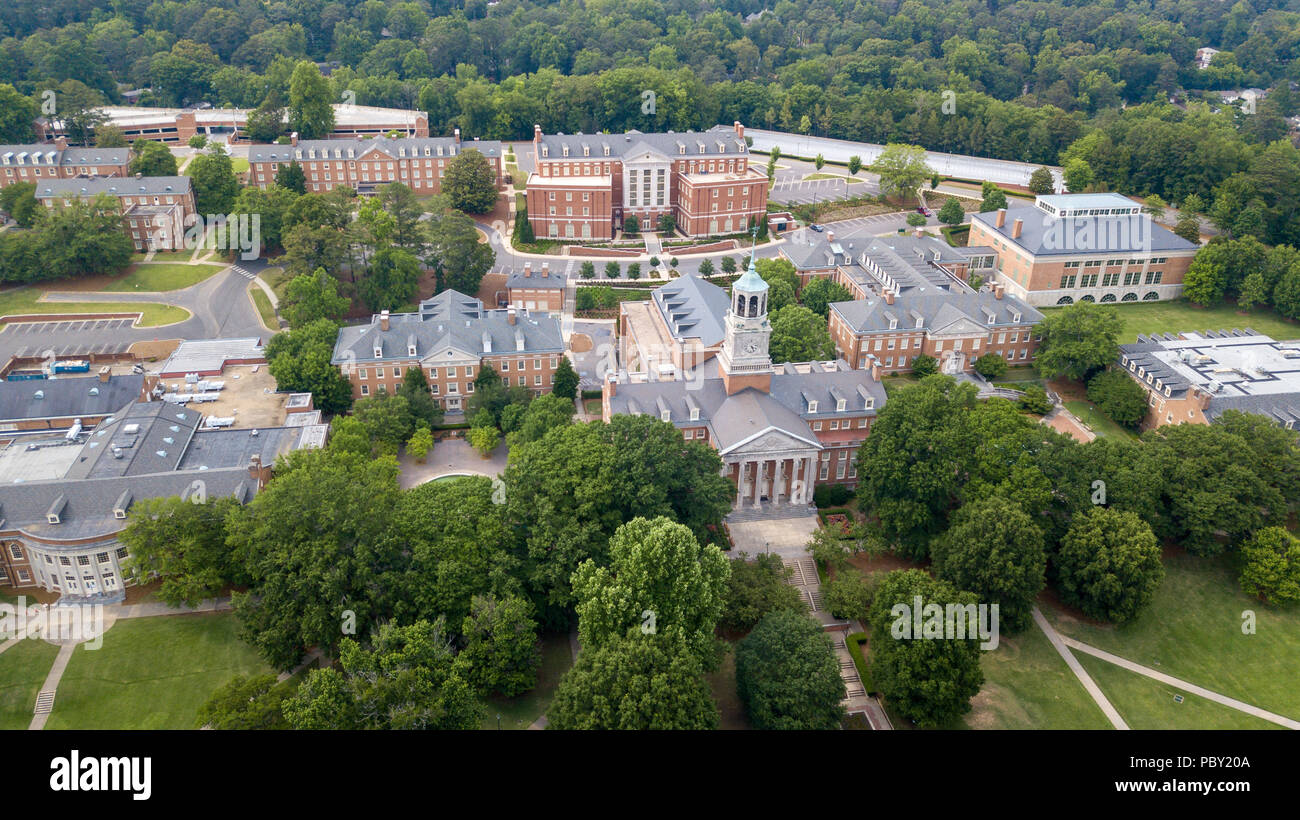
[1111,84]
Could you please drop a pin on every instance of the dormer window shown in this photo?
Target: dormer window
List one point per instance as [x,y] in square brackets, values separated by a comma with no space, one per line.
[812,406]
[871,402]
[695,414]
[410,349]
[379,352]
[840,405]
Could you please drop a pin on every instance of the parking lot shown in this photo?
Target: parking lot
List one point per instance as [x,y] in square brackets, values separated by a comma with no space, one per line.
[61,338]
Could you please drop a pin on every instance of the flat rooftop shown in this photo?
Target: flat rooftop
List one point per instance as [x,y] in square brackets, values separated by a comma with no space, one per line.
[36,459]
[1241,365]
[211,355]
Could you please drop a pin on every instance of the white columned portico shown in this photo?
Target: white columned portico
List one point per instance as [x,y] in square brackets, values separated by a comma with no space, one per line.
[778,484]
[758,482]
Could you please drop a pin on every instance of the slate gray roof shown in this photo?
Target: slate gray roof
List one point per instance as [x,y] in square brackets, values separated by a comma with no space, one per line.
[87,509]
[736,418]
[235,447]
[1044,234]
[40,154]
[936,311]
[114,186]
[65,397]
[449,320]
[692,308]
[551,280]
[669,144]
[338,149]
[151,437]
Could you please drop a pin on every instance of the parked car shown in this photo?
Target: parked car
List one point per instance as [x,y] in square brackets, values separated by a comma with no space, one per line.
[817,228]
[924,211]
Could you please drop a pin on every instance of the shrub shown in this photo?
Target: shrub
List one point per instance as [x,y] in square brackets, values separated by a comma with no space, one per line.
[1035,400]
[831,495]
[924,365]
[990,365]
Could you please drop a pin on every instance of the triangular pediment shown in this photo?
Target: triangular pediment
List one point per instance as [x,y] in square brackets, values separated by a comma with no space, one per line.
[960,327]
[445,353]
[772,441]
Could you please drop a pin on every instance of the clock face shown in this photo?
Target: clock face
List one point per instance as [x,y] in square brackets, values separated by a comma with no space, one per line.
[751,348]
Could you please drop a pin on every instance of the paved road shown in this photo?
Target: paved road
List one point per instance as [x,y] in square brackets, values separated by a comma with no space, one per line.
[220,306]
[1004,172]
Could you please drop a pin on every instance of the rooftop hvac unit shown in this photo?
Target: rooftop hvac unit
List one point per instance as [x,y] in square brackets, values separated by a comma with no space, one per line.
[191,378]
[1215,387]
[131,428]
[219,421]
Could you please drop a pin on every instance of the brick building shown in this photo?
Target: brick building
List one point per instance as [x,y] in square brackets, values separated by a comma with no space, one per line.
[156,211]
[1070,248]
[541,289]
[781,429]
[1193,378]
[890,330]
[365,164]
[177,125]
[451,336]
[585,186]
[44,162]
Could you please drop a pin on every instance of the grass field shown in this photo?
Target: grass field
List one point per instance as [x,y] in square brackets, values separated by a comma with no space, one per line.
[1028,686]
[239,164]
[1100,423]
[1179,315]
[520,712]
[264,309]
[1149,704]
[23,668]
[162,277]
[152,673]
[24,300]
[165,256]
[1193,631]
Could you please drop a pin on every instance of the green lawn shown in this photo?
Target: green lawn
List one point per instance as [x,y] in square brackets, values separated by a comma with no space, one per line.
[521,711]
[152,673]
[264,309]
[1180,315]
[239,164]
[1193,631]
[151,276]
[1149,704]
[23,300]
[23,668]
[1028,686]
[1100,423]
[165,256]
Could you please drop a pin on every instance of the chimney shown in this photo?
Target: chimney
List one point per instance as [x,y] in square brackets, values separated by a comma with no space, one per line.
[1002,217]
[61,142]
[455,134]
[293,138]
[104,373]
[998,290]
[528,269]
[875,369]
[546,269]
[510,316]
[740,129]
[1015,228]
[537,132]
[383,320]
[889,296]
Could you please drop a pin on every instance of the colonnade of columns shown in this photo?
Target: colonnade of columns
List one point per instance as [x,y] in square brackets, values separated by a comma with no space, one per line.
[787,480]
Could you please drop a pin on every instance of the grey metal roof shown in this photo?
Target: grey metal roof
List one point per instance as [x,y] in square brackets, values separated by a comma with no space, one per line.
[42,153]
[115,186]
[65,396]
[149,437]
[206,355]
[397,148]
[1044,234]
[936,310]
[536,279]
[450,320]
[719,141]
[693,308]
[235,447]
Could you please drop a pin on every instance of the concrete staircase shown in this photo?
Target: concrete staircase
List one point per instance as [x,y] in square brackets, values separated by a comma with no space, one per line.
[767,511]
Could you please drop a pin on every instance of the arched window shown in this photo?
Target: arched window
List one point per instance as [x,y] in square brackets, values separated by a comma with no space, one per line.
[1151,296]
[740,304]
[1110,297]
[1086,298]
[1129,297]
[1065,300]
[753,306]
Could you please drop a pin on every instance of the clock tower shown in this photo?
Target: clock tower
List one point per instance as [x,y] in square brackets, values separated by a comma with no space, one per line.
[744,360]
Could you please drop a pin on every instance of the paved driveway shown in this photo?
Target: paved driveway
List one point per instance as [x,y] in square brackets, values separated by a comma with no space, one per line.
[452,457]
[220,306]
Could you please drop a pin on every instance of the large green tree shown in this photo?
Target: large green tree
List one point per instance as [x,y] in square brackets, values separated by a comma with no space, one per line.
[471,182]
[902,169]
[995,550]
[1078,340]
[1108,565]
[152,159]
[1119,397]
[799,335]
[215,185]
[311,114]
[182,543]
[300,361]
[929,679]
[787,675]
[457,254]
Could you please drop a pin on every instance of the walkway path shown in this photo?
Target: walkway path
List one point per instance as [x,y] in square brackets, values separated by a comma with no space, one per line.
[1079,672]
[1224,700]
[151,609]
[45,699]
